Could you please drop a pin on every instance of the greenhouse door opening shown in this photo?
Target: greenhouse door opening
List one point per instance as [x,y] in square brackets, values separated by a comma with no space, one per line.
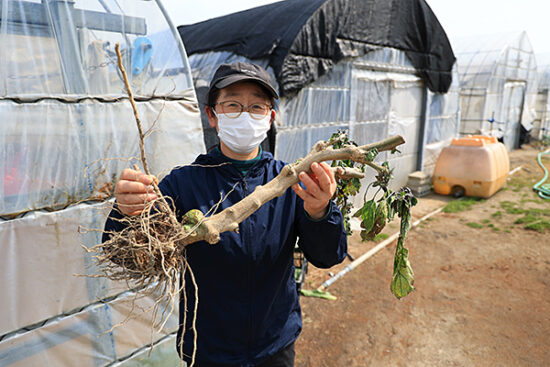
[387,103]
[513,99]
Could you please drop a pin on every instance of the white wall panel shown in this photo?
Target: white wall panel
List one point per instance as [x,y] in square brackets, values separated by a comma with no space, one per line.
[409,129]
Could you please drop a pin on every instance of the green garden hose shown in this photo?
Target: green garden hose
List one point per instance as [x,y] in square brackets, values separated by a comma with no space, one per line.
[543,189]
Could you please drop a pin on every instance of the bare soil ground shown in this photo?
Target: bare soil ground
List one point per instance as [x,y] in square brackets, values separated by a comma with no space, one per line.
[482,295]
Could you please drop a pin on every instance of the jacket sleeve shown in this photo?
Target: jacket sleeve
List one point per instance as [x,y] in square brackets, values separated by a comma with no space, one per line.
[324,241]
[112,224]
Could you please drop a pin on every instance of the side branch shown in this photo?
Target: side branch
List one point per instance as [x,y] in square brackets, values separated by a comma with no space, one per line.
[347,172]
[229,219]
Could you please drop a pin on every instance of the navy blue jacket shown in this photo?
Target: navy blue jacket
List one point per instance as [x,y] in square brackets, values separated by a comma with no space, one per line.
[248,305]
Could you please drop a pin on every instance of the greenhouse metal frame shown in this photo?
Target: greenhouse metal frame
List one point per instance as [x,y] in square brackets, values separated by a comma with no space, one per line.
[67,132]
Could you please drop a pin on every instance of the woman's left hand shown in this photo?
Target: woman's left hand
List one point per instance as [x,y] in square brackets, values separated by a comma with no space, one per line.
[320,187]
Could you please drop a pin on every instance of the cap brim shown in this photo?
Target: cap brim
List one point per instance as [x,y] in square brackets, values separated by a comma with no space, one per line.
[231,79]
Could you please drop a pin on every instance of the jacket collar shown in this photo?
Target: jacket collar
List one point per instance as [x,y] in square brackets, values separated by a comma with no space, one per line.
[215,157]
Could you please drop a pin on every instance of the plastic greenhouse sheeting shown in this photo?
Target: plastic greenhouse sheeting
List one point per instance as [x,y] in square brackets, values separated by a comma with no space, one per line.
[443,122]
[57,153]
[66,133]
[45,257]
[542,122]
[498,85]
[373,97]
[87,338]
[163,355]
[65,121]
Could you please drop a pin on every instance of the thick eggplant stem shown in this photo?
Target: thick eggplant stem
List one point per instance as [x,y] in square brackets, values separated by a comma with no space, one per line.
[228,219]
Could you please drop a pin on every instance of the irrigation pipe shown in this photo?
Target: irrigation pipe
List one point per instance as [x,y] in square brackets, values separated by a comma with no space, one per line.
[520,167]
[371,252]
[543,190]
[514,170]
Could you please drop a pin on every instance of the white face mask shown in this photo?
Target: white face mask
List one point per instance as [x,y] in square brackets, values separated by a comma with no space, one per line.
[243,134]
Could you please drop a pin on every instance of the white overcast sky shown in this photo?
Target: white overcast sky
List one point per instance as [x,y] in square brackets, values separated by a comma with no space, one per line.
[458,17]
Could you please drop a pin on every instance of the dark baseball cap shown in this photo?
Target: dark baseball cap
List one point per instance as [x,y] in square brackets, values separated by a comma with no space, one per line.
[228,74]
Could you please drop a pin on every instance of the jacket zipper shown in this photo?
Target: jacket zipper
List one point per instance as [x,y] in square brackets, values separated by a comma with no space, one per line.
[247,236]
[248,275]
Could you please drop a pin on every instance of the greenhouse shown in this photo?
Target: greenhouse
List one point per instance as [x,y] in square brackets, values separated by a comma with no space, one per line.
[67,131]
[359,66]
[541,126]
[497,86]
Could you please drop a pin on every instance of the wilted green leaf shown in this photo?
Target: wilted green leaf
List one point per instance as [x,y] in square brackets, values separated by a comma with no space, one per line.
[400,202]
[368,215]
[403,276]
[373,217]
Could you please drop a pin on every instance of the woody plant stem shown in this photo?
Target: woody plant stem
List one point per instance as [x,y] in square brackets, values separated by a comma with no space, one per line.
[134,108]
[228,220]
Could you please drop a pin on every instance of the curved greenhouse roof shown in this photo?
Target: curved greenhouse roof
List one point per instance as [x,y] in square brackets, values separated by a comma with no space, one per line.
[304,39]
[483,61]
[497,85]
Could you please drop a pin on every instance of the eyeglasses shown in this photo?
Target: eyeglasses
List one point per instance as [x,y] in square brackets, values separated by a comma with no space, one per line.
[233,109]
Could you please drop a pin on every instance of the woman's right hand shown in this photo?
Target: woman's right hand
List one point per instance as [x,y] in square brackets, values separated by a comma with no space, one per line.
[133,190]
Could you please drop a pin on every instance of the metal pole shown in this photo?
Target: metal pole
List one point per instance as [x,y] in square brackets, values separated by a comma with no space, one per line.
[61,14]
[423,130]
